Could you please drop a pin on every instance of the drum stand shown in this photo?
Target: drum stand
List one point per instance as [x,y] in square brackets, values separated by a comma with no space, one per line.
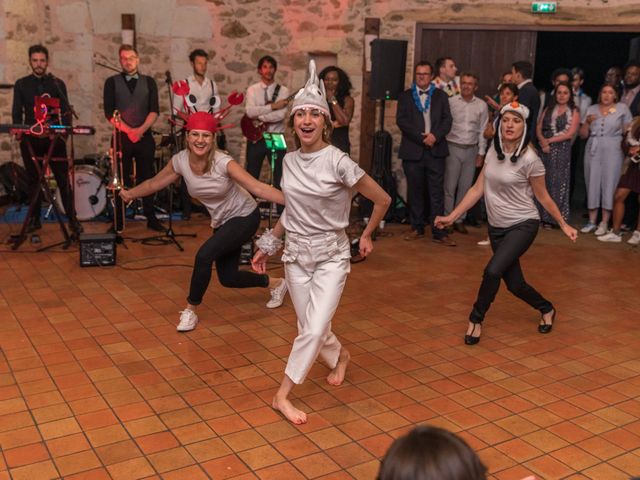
[169,236]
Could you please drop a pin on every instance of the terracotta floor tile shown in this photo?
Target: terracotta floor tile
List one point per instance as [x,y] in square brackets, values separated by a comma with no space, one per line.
[349,455]
[35,471]
[193,433]
[296,447]
[228,424]
[315,465]
[118,452]
[605,471]
[280,430]
[577,458]
[377,445]
[67,445]
[170,459]
[95,474]
[243,440]
[279,472]
[193,472]
[144,426]
[519,450]
[107,435]
[19,437]
[229,466]
[59,428]
[130,469]
[77,462]
[17,457]
[261,457]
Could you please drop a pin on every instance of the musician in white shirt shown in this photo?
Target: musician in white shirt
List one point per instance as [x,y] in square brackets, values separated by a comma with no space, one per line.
[203,92]
[266,102]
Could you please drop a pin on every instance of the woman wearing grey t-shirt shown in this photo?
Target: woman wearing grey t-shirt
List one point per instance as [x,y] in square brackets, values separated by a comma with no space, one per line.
[223,187]
[512,175]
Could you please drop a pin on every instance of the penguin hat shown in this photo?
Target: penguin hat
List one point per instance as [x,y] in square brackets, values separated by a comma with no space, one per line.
[523,112]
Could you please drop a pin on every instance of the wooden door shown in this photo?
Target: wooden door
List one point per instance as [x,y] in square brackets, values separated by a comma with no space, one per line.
[487,53]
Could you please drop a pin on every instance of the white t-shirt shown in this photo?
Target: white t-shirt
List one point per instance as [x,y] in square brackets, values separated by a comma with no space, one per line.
[507,192]
[223,198]
[317,189]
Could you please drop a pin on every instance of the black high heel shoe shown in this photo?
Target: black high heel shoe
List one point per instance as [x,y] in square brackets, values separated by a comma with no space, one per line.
[470,339]
[546,327]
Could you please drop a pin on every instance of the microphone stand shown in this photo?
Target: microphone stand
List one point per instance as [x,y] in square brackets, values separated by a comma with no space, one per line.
[169,235]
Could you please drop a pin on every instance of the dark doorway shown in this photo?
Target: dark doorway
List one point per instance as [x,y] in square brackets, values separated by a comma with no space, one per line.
[594,52]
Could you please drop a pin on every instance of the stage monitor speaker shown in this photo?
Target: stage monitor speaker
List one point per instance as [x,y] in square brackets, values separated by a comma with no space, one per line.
[388,66]
[97,249]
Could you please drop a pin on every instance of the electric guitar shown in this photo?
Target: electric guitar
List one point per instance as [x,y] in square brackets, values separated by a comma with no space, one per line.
[252,128]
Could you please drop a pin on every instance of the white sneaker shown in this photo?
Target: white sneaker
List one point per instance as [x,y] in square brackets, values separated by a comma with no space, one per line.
[188,320]
[588,228]
[277,295]
[484,243]
[635,238]
[602,229]
[610,237]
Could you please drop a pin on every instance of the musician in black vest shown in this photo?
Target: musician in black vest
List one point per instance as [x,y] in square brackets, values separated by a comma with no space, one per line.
[41,83]
[266,102]
[424,118]
[135,96]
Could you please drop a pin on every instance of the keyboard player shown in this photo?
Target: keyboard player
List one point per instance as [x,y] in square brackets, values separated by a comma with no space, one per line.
[42,84]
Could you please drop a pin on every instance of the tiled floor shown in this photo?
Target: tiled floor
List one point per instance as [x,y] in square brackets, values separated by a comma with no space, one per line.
[96,383]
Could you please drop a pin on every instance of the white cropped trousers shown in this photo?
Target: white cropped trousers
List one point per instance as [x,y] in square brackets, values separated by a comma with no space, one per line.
[316,269]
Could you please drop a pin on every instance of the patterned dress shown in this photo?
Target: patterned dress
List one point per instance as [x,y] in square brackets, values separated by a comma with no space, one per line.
[557,164]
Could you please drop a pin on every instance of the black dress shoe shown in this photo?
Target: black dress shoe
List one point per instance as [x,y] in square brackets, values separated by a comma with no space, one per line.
[470,339]
[154,224]
[546,327]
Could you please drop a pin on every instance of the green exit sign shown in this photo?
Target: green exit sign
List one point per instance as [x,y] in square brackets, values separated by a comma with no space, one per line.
[544,7]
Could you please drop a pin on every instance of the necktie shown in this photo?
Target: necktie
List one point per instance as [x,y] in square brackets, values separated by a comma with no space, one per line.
[129,77]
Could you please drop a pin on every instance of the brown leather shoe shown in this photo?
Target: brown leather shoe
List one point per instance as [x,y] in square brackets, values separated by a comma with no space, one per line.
[414,235]
[446,241]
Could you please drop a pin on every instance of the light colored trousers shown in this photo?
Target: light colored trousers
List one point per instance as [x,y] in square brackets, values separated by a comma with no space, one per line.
[458,175]
[602,169]
[316,269]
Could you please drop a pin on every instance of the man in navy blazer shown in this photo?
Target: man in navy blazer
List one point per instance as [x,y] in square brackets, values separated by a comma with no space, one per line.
[424,119]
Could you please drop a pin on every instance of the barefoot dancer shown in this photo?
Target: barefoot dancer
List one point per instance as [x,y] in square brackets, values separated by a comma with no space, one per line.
[318,182]
[511,176]
[217,181]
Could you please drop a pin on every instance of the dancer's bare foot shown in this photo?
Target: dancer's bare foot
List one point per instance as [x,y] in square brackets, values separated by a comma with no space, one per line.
[284,406]
[336,377]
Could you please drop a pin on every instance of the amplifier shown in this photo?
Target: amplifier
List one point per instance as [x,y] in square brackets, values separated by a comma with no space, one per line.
[97,249]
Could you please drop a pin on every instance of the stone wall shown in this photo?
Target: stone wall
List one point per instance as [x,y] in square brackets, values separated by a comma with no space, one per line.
[236,33]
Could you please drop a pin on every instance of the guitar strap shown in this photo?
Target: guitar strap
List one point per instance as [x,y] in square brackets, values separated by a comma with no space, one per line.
[276,91]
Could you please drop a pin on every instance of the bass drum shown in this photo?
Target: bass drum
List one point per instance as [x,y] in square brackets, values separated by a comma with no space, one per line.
[90,193]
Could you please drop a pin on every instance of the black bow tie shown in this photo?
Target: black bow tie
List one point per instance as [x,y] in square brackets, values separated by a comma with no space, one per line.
[423,92]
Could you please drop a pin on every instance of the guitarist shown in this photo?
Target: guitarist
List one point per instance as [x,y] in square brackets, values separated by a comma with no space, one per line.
[266,105]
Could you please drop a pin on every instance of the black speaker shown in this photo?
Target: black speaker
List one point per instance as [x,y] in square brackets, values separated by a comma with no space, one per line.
[97,249]
[388,66]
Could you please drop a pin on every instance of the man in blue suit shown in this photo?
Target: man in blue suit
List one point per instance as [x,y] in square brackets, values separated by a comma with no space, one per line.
[424,119]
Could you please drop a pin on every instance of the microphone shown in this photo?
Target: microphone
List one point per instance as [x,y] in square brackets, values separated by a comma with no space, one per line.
[167,75]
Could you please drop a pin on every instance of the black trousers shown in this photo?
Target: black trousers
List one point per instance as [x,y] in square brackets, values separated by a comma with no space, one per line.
[143,153]
[425,190]
[224,248]
[59,168]
[508,245]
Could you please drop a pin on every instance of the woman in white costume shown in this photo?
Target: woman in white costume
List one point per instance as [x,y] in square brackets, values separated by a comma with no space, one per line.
[318,182]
